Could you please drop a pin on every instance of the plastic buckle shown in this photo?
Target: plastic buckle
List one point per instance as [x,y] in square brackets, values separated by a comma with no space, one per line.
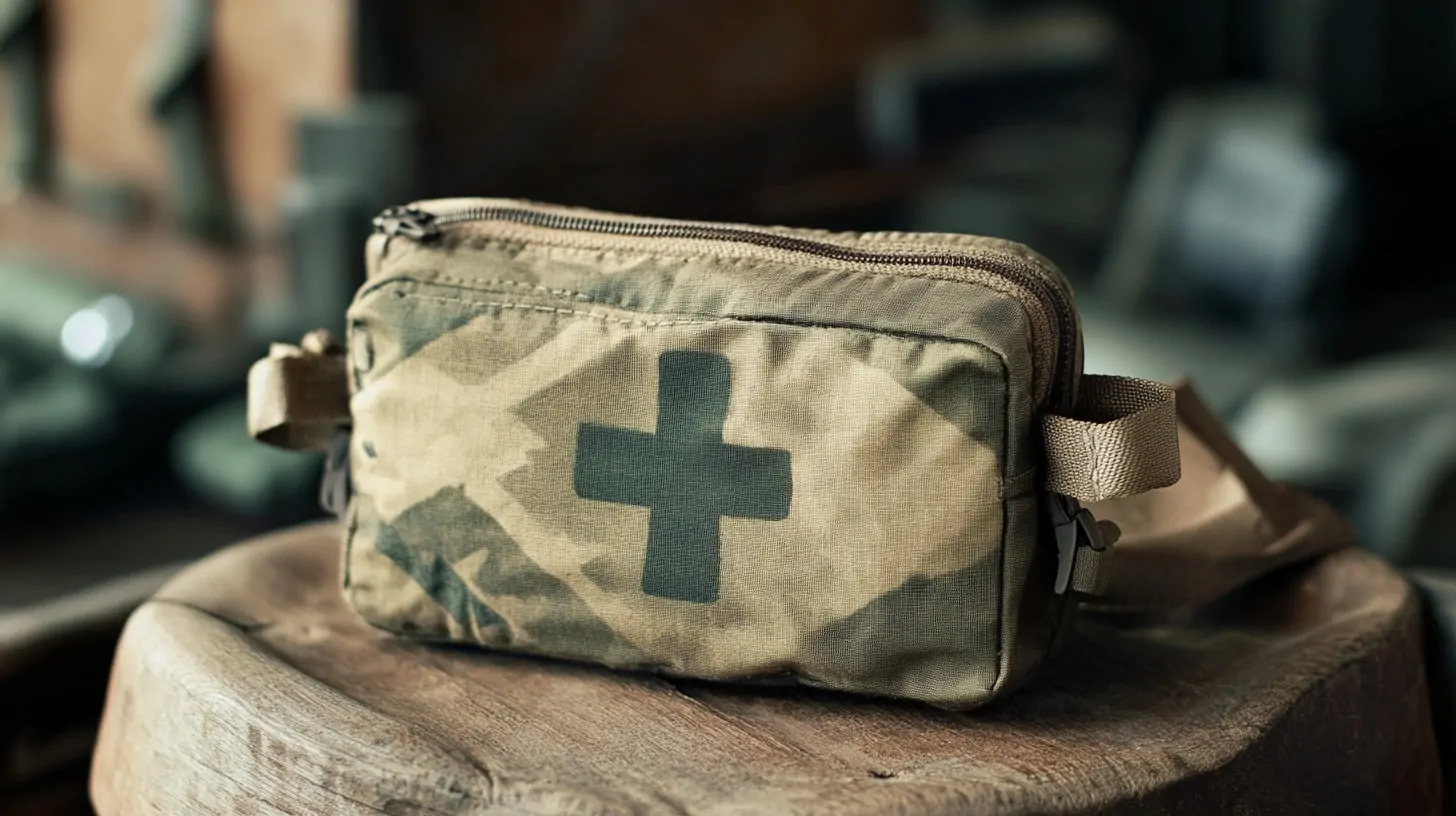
[1073,526]
[335,485]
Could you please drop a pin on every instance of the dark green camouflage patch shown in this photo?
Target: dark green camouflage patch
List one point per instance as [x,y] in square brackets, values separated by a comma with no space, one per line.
[416,334]
[449,527]
[437,578]
[970,394]
[922,662]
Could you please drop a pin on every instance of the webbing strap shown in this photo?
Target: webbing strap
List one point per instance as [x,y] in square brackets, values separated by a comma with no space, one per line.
[1223,525]
[298,396]
[1092,570]
[1121,440]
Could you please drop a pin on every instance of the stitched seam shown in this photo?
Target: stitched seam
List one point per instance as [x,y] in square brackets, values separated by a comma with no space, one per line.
[482,305]
[534,287]
[549,249]
[1020,484]
[529,307]
[704,321]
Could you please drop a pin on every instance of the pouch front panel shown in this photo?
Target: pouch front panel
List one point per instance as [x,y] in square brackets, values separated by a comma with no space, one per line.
[714,497]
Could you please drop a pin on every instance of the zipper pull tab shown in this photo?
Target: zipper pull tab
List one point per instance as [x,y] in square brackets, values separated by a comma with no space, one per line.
[410,222]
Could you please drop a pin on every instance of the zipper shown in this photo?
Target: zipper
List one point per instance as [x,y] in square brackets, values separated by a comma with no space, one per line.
[1049,294]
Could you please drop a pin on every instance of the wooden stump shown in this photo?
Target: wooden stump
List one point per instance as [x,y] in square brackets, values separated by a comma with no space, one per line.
[246,686]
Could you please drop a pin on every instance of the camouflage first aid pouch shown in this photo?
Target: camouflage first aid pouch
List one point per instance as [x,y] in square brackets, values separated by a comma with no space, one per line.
[853,461]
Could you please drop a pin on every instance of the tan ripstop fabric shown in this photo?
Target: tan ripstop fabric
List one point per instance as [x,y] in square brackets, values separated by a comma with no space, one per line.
[714,459]
[879,571]
[1122,440]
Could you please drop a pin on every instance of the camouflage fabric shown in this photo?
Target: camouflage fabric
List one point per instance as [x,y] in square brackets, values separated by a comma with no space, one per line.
[702,460]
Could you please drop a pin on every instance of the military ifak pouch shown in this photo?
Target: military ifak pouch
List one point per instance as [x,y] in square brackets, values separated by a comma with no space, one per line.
[854,461]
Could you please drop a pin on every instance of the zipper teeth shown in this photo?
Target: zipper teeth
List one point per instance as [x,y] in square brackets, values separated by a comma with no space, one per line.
[1042,288]
[647,229]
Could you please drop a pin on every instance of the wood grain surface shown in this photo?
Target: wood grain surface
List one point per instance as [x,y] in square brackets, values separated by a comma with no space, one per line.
[246,686]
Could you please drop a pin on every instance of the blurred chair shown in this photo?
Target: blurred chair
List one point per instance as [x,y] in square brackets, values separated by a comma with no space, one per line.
[1234,229]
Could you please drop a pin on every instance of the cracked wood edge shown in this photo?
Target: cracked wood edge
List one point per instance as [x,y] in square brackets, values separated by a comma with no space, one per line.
[176,740]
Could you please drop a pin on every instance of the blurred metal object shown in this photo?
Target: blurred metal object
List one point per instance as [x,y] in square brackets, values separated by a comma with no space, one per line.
[1235,214]
[325,224]
[58,315]
[1234,228]
[370,145]
[178,98]
[22,55]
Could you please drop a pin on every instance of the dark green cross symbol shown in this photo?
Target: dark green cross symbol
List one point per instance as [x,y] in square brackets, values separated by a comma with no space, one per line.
[685,473]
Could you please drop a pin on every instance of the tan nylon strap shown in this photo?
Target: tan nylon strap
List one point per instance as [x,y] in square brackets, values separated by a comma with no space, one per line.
[1223,525]
[298,396]
[1121,440]
[1092,570]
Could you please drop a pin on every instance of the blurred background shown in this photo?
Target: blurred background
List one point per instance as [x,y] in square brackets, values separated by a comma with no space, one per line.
[1251,193]
[1254,193]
